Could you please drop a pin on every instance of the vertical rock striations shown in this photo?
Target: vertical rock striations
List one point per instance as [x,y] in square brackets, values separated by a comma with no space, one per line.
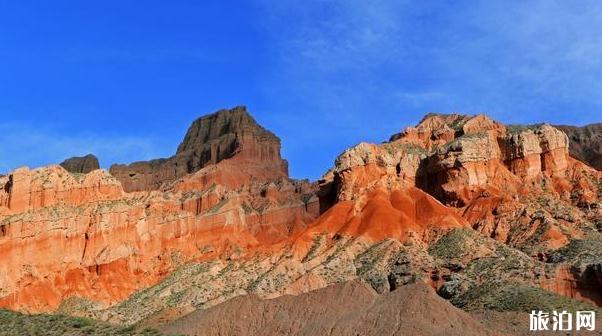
[515,184]
[465,204]
[226,134]
[225,192]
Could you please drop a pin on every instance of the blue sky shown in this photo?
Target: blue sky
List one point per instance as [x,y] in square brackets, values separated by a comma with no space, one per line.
[124,79]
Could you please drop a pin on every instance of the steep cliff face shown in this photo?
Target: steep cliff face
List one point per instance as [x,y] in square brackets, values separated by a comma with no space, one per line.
[514,184]
[505,170]
[81,165]
[106,249]
[478,210]
[456,157]
[29,190]
[81,235]
[490,216]
[495,159]
[585,143]
[225,134]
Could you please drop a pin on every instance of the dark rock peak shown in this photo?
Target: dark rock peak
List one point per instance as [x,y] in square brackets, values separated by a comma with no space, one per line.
[223,123]
[585,143]
[81,164]
[210,139]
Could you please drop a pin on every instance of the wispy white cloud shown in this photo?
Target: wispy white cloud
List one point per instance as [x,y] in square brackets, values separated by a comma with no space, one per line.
[552,47]
[358,70]
[330,52]
[353,37]
[497,55]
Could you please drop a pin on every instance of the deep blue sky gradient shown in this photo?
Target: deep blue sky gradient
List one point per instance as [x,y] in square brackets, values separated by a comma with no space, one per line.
[124,79]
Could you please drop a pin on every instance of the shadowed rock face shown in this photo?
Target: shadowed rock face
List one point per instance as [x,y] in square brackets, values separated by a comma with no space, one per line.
[225,134]
[81,164]
[585,143]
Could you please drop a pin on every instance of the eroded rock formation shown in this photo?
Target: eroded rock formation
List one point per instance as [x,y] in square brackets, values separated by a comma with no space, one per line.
[226,134]
[515,184]
[477,210]
[65,235]
[586,143]
[81,164]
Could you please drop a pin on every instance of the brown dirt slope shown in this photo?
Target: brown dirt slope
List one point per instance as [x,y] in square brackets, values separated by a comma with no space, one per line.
[351,308]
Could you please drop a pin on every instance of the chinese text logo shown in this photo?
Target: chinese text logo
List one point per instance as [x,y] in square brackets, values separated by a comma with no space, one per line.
[562,321]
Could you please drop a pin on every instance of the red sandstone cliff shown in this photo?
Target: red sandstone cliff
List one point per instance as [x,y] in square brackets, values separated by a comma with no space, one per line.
[430,205]
[68,235]
[227,134]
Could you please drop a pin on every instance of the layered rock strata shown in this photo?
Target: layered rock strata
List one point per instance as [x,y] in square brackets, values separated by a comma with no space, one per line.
[515,184]
[226,134]
[477,210]
[68,234]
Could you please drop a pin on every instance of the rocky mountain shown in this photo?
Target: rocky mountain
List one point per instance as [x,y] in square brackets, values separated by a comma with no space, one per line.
[586,143]
[227,134]
[492,217]
[70,235]
[81,164]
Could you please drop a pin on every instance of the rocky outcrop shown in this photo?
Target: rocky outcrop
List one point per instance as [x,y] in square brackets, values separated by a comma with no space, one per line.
[489,155]
[27,190]
[225,192]
[455,157]
[461,203]
[515,184]
[585,143]
[532,150]
[435,129]
[106,249]
[226,134]
[81,164]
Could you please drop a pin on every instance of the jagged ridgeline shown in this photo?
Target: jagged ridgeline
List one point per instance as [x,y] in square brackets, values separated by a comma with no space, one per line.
[494,219]
[226,134]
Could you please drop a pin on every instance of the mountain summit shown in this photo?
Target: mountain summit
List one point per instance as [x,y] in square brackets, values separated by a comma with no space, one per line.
[226,134]
[490,216]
